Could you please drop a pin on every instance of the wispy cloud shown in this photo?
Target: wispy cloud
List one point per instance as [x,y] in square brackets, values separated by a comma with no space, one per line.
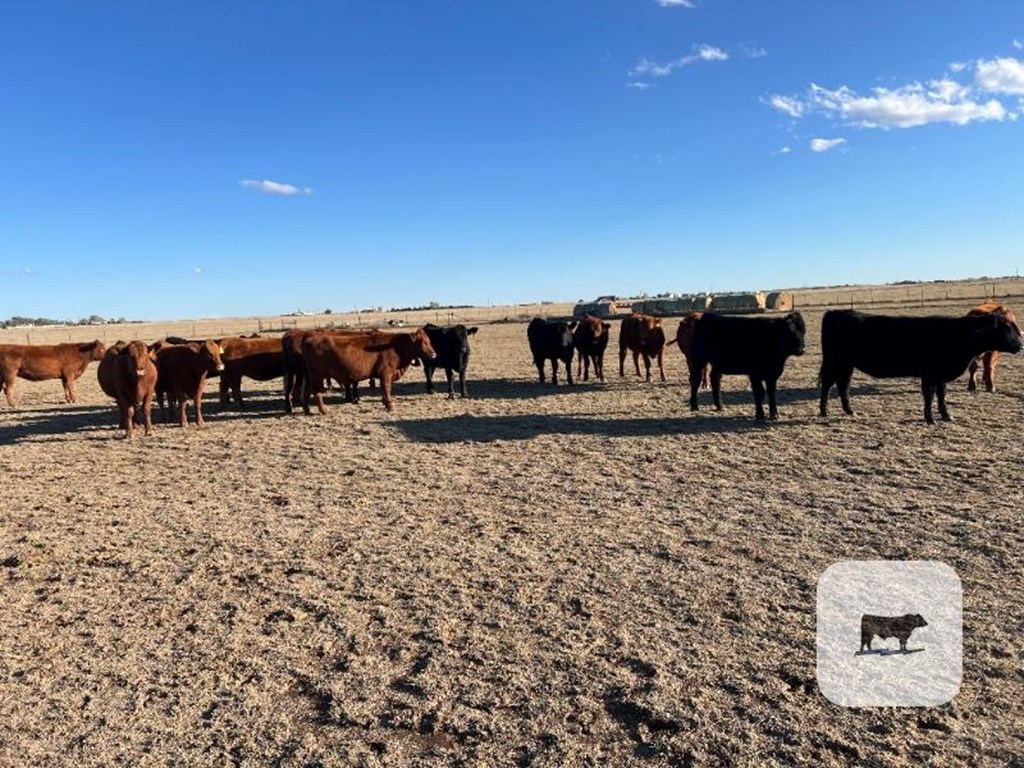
[783,150]
[640,86]
[753,51]
[791,106]
[647,68]
[275,187]
[676,3]
[824,145]
[1018,44]
[1000,75]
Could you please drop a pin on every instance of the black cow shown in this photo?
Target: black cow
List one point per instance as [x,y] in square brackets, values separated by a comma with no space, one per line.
[899,627]
[591,339]
[551,340]
[934,349]
[452,347]
[753,346]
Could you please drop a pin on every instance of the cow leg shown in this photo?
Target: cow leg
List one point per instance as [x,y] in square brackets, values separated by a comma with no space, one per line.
[129,420]
[428,371]
[182,415]
[599,366]
[539,362]
[462,381]
[385,387]
[928,392]
[622,362]
[198,401]
[972,376]
[9,380]
[647,368]
[224,391]
[773,411]
[451,382]
[990,359]
[120,414]
[661,362]
[288,391]
[940,391]
[636,364]
[826,379]
[147,414]
[580,359]
[758,386]
[843,385]
[568,369]
[554,371]
[694,384]
[716,389]
[704,375]
[67,389]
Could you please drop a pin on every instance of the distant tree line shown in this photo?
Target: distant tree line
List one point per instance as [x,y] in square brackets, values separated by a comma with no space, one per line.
[18,321]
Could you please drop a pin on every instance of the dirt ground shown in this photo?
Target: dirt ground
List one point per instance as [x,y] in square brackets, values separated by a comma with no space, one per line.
[531,576]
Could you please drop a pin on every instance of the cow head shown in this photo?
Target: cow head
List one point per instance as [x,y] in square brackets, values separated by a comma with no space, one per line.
[793,332]
[421,344]
[916,620]
[999,333]
[139,355]
[210,351]
[94,349]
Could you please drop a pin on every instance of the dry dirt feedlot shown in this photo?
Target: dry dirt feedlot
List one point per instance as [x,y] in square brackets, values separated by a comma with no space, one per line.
[531,576]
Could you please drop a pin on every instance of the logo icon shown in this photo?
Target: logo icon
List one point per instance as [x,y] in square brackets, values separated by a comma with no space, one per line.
[878,607]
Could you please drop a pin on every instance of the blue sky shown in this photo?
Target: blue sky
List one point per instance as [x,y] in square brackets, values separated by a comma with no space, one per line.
[166,160]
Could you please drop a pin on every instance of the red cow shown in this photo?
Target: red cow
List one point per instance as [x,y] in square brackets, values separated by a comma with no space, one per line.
[351,359]
[684,338]
[181,373]
[988,360]
[39,362]
[642,335]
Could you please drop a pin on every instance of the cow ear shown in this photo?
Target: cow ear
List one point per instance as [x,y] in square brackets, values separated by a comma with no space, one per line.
[220,349]
[573,324]
[151,355]
[606,326]
[471,331]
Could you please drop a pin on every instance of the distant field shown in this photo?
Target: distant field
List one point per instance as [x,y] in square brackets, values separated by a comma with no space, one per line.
[865,296]
[572,576]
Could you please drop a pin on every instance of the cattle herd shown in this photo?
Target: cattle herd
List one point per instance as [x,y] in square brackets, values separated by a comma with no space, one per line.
[173,371]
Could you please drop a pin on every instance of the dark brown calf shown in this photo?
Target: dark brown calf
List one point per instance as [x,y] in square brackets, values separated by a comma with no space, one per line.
[181,374]
[261,359]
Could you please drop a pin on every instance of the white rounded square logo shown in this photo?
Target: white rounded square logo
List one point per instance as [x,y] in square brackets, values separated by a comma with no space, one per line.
[890,633]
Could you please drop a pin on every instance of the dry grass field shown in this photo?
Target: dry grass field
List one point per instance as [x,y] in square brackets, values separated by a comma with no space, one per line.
[531,576]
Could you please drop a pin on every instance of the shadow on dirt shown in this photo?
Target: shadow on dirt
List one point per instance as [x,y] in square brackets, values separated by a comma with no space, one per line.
[483,429]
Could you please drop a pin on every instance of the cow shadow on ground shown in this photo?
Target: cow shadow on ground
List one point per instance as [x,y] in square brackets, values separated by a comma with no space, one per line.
[57,421]
[485,429]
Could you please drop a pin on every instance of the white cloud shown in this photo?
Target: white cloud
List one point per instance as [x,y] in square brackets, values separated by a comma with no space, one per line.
[940,101]
[958,66]
[646,67]
[276,187]
[791,106]
[637,85]
[824,145]
[197,270]
[1000,75]
[1018,44]
[676,3]
[784,150]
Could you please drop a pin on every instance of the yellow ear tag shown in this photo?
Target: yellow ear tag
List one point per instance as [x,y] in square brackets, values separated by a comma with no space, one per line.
[221,350]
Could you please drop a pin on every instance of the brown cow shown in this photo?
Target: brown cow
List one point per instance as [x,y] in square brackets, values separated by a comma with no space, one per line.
[261,359]
[351,359]
[642,335]
[181,373]
[39,362]
[295,368]
[135,378]
[591,339]
[989,360]
[684,338]
[106,370]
